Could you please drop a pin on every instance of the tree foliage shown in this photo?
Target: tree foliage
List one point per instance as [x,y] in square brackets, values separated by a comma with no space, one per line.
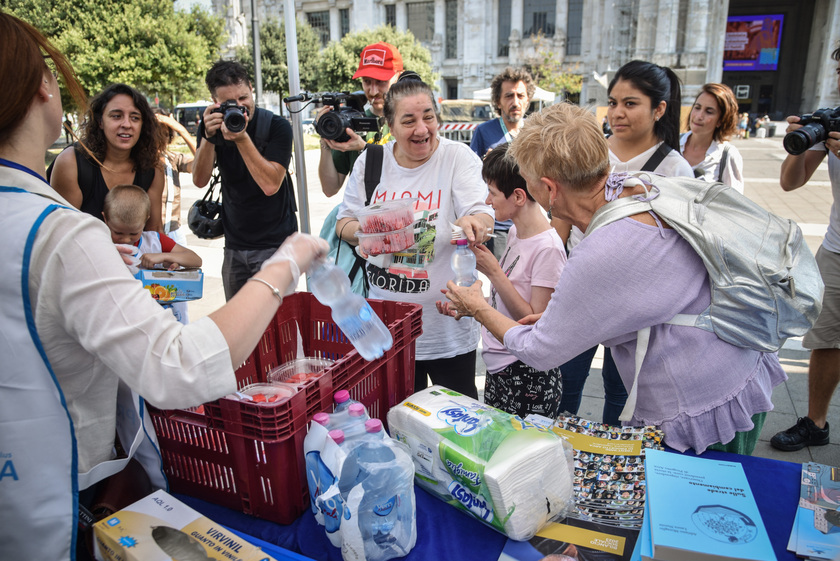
[549,73]
[275,70]
[339,60]
[144,43]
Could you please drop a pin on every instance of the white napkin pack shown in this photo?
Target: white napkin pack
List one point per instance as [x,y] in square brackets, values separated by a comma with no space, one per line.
[508,473]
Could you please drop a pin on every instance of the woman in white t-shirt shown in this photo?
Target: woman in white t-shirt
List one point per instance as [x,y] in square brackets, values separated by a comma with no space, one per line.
[445,178]
[713,119]
[644,113]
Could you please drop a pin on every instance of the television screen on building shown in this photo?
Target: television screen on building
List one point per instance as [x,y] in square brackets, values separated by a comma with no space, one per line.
[752,42]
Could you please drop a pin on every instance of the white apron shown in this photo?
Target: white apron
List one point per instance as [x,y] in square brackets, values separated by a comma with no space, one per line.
[39,477]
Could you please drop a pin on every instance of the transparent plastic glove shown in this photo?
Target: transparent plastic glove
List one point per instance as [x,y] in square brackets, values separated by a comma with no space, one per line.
[300,251]
[129,257]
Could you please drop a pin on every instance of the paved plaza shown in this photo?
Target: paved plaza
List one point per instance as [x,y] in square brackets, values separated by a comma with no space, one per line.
[809,206]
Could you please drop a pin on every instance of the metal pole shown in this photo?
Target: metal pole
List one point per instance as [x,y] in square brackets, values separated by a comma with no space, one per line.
[255,30]
[297,126]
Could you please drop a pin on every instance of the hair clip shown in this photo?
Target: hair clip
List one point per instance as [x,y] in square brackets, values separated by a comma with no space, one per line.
[409,75]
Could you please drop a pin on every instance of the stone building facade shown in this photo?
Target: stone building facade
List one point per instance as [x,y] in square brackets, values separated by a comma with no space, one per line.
[472,40]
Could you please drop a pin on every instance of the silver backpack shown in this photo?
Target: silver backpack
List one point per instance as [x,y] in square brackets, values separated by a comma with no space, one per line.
[765,283]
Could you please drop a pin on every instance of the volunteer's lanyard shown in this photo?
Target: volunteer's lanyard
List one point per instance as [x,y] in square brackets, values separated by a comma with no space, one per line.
[22,168]
[508,136]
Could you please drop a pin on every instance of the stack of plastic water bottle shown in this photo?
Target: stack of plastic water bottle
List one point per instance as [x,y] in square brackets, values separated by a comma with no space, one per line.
[361,483]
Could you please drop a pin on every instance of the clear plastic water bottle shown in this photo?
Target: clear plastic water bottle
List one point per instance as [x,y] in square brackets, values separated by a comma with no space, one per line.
[463,264]
[350,312]
[318,475]
[385,514]
[349,415]
[330,503]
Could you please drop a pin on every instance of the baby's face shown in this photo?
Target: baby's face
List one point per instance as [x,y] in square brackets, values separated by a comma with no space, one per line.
[125,233]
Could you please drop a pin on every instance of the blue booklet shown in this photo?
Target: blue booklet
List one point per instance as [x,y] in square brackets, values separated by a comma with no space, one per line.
[816,528]
[702,509]
[811,542]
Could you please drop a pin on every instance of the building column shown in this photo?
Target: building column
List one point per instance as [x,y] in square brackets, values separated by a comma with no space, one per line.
[646,29]
[561,27]
[716,39]
[698,21]
[517,12]
[665,43]
[473,68]
[402,15]
[335,22]
[366,13]
[437,46]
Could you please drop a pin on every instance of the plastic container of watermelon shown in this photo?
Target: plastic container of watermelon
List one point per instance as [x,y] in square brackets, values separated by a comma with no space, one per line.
[387,216]
[387,242]
[299,371]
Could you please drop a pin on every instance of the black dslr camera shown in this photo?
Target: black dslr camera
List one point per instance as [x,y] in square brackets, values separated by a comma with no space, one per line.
[348,112]
[351,115]
[234,115]
[816,127]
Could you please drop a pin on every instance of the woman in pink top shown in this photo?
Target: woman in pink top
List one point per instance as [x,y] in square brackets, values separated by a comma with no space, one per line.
[628,275]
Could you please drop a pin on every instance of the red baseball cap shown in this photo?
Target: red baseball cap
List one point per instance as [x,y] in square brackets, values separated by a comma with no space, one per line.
[379,61]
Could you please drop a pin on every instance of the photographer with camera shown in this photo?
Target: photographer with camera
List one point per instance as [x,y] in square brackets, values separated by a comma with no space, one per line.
[252,148]
[809,139]
[380,65]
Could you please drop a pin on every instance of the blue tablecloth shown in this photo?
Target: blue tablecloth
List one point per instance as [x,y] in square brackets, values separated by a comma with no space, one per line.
[445,533]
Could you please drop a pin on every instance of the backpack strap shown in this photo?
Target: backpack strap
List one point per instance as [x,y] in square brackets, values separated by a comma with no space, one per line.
[642,340]
[723,159]
[373,174]
[657,157]
[373,169]
[263,132]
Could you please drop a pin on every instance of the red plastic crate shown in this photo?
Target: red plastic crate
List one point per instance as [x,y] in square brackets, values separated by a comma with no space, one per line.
[249,457]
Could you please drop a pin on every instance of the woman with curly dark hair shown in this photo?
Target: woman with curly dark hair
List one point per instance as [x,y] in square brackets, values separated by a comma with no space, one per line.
[120,142]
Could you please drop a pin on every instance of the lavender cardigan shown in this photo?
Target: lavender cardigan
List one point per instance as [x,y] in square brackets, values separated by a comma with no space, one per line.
[627,276]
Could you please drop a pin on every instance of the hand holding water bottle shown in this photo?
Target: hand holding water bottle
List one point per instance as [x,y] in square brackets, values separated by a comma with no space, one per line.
[301,252]
[353,315]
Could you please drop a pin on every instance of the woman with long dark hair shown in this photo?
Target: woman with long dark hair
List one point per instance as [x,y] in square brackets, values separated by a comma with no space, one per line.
[644,115]
[120,142]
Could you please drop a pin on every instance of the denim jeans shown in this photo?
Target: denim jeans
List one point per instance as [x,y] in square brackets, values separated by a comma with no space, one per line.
[574,375]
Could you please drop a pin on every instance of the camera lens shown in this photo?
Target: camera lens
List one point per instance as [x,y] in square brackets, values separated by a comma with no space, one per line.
[331,126]
[235,120]
[802,139]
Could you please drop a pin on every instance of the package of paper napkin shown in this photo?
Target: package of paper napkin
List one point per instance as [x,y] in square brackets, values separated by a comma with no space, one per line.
[510,474]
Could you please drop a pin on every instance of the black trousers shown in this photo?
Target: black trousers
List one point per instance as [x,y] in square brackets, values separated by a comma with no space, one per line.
[456,373]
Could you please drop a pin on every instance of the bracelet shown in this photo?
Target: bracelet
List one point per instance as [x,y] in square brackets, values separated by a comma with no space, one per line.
[274,291]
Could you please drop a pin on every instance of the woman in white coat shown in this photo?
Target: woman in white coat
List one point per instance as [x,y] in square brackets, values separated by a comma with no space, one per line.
[76,325]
